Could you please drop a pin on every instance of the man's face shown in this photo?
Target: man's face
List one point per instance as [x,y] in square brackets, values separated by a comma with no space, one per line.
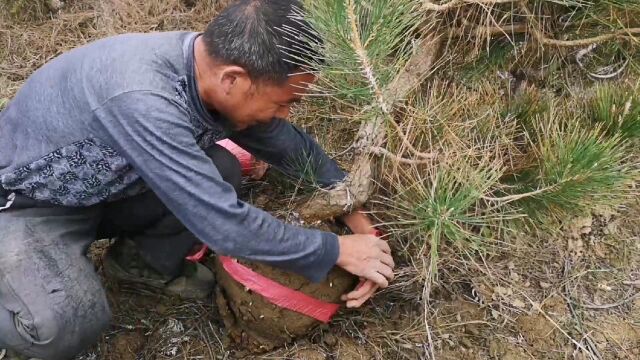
[254,103]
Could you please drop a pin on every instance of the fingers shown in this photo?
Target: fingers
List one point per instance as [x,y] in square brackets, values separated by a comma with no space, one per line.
[387,260]
[384,246]
[386,271]
[377,278]
[361,300]
[363,292]
[363,288]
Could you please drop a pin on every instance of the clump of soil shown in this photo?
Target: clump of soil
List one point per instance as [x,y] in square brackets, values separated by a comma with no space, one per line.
[350,350]
[126,346]
[258,325]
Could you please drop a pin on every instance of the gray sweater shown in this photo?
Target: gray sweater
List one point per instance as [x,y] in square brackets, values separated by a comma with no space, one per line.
[120,115]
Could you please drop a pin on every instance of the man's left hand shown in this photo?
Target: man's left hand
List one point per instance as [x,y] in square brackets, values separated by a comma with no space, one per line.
[363,292]
[359,223]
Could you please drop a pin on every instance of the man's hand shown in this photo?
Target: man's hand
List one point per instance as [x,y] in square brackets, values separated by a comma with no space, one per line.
[358,222]
[363,292]
[366,256]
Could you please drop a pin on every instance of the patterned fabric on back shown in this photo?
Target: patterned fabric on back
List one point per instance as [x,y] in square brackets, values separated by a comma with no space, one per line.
[88,172]
[83,173]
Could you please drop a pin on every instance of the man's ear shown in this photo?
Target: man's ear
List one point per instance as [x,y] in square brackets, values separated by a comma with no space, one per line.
[234,79]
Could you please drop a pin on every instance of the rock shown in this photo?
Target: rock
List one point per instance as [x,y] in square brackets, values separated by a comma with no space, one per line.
[330,340]
[55,5]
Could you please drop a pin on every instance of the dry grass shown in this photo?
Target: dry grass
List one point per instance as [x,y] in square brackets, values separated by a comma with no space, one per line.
[27,45]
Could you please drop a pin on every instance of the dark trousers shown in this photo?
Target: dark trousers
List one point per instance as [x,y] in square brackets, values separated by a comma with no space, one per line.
[52,304]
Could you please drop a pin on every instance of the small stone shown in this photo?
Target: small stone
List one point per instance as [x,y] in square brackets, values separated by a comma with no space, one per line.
[330,340]
[55,5]
[161,309]
[495,314]
[518,303]
[604,287]
[544,285]
[585,230]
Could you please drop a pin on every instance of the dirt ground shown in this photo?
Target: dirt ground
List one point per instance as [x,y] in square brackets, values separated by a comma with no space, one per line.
[524,306]
[564,294]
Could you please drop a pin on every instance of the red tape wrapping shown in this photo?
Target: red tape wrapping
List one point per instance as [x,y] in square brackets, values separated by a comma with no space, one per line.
[279,294]
[247,161]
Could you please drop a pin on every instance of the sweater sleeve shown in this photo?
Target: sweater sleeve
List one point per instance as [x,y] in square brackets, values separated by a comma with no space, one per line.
[152,131]
[291,150]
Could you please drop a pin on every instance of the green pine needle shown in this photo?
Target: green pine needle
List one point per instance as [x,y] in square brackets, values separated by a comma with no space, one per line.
[526,107]
[578,169]
[372,51]
[617,110]
[441,205]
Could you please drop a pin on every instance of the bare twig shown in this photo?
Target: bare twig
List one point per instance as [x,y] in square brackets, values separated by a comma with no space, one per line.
[609,306]
[593,349]
[428,5]
[511,198]
[478,31]
[377,150]
[632,283]
[541,38]
[426,295]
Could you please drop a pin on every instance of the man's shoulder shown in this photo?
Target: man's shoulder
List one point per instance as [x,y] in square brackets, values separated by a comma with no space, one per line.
[135,63]
[138,52]
[170,41]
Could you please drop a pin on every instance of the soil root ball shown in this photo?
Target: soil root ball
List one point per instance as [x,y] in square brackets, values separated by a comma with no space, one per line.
[258,325]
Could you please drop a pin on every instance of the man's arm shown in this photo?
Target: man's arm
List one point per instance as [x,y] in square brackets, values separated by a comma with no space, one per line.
[281,144]
[291,150]
[154,134]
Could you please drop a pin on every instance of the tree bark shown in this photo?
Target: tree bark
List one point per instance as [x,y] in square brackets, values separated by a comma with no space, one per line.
[358,186]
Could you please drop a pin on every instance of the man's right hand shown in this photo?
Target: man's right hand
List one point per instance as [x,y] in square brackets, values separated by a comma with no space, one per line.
[366,256]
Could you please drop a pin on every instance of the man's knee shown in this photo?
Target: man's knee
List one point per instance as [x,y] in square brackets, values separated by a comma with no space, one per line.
[54,335]
[58,323]
[227,164]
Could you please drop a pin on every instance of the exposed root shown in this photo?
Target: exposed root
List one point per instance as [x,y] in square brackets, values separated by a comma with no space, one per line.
[542,39]
[607,72]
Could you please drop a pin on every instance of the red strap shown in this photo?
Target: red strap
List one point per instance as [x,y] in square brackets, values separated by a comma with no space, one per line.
[246,160]
[198,256]
[279,294]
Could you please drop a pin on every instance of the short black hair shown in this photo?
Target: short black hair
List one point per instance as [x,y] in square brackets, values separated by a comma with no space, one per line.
[269,38]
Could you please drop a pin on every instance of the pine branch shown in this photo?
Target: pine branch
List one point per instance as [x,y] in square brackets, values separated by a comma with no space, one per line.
[356,189]
[378,150]
[480,31]
[369,74]
[359,49]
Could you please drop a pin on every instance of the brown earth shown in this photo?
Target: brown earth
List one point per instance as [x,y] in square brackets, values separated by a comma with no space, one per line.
[258,325]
